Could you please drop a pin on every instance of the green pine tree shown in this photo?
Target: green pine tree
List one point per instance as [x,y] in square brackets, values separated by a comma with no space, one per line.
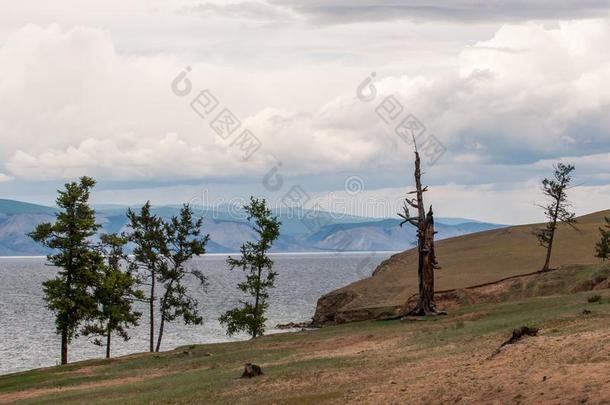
[602,248]
[182,241]
[114,294]
[161,253]
[260,277]
[69,294]
[557,210]
[147,235]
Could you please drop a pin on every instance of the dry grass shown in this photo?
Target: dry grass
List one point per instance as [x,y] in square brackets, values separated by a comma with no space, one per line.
[476,259]
[438,360]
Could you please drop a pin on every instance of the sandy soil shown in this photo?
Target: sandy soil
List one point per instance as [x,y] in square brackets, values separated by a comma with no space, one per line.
[573,369]
[563,370]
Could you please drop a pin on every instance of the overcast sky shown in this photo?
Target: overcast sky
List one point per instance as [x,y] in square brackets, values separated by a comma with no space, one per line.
[113,89]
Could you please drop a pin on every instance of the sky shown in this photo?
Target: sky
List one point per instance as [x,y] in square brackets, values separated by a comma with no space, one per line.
[307,102]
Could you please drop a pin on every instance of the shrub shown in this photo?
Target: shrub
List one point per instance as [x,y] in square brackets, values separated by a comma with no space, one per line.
[594,298]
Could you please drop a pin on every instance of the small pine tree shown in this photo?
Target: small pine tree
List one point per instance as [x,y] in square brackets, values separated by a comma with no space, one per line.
[114,294]
[602,248]
[557,210]
[250,316]
[69,294]
[182,241]
[162,250]
[146,234]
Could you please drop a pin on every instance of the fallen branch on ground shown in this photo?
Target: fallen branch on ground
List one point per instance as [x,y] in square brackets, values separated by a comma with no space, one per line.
[517,335]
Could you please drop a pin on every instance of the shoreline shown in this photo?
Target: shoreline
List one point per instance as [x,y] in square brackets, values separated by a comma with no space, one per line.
[276,330]
[321,253]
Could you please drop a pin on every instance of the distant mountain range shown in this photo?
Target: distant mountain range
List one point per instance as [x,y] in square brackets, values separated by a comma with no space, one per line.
[302,230]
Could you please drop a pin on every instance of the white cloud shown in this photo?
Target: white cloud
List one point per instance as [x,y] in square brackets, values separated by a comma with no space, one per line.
[85,108]
[517,99]
[527,94]
[512,104]
[80,106]
[514,203]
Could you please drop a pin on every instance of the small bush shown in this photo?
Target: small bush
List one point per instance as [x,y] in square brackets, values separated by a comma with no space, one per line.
[594,298]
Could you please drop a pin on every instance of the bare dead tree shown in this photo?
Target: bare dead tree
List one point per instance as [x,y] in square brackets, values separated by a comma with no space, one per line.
[427,263]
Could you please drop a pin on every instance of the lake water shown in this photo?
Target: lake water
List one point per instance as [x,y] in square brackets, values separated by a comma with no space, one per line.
[27,330]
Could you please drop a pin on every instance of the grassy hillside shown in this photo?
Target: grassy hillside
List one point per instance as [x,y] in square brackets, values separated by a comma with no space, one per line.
[440,360]
[466,260]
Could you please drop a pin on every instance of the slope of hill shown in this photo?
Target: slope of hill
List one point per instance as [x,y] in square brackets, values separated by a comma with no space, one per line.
[466,260]
[302,230]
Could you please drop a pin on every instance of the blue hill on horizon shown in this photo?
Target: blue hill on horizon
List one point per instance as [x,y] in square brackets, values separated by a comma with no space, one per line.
[228,228]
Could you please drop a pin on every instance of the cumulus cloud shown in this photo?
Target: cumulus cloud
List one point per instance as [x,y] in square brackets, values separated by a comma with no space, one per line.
[524,95]
[166,157]
[80,106]
[512,105]
[529,94]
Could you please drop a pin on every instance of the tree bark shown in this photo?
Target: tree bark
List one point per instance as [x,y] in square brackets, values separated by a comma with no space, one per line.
[426,265]
[547,262]
[64,332]
[152,313]
[425,248]
[108,338]
[161,326]
[163,309]
[256,303]
[64,347]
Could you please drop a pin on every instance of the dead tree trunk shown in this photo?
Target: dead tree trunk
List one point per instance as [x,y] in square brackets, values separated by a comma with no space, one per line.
[426,304]
[425,245]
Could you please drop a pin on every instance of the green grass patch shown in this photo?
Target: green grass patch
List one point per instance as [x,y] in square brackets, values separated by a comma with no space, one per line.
[189,375]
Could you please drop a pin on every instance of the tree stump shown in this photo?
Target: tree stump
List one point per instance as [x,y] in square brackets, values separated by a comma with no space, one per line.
[251,370]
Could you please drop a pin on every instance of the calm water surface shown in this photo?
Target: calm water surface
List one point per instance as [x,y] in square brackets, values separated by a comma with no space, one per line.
[27,331]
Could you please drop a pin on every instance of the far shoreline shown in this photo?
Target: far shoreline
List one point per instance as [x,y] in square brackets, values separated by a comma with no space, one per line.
[321,253]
